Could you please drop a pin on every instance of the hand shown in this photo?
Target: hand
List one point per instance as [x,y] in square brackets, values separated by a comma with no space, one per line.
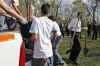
[33,17]
[24,21]
[44,60]
[53,43]
[31,39]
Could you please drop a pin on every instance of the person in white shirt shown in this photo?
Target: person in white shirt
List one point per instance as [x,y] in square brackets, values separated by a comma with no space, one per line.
[41,30]
[75,27]
[57,58]
[5,9]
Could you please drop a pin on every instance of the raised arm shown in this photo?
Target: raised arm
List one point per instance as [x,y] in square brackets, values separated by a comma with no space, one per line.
[4,13]
[15,7]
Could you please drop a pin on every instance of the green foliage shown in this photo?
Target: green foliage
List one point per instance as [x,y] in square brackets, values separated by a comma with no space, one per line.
[60,20]
[80,5]
[22,7]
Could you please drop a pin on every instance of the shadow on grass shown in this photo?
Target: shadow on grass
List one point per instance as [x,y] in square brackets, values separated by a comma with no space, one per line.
[93,55]
[94,52]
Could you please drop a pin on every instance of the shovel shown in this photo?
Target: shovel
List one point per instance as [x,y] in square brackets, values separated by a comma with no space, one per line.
[85,50]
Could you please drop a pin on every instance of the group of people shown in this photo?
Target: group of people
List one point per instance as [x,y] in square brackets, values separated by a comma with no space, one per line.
[92,28]
[44,33]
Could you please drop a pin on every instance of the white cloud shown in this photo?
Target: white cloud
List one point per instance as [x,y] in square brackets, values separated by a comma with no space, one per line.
[85,1]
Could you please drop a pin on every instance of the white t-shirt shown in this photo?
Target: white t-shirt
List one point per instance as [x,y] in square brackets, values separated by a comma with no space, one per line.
[75,25]
[43,27]
[57,27]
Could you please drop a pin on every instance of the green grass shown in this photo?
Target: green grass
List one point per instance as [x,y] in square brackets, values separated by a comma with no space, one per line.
[93,58]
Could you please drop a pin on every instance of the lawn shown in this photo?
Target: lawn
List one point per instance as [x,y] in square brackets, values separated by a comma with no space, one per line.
[93,58]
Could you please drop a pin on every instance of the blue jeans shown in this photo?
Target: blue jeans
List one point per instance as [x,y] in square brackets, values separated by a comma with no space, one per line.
[57,57]
[38,62]
[2,22]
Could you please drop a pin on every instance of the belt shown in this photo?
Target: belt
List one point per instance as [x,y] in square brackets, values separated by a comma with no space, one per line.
[76,32]
[41,58]
[45,58]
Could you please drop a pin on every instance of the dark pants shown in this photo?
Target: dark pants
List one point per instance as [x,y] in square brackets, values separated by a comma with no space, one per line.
[57,58]
[89,34]
[38,62]
[28,43]
[75,48]
[94,35]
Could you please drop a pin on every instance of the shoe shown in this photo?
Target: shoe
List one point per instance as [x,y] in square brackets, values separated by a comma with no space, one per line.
[62,64]
[72,62]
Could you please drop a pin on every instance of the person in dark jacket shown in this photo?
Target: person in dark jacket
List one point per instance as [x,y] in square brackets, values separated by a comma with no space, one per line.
[94,36]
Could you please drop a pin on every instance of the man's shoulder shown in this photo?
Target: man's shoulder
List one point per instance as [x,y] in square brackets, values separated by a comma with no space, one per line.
[55,23]
[35,20]
[41,20]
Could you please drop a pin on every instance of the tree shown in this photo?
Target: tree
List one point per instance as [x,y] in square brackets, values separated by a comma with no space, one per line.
[91,8]
[55,6]
[80,6]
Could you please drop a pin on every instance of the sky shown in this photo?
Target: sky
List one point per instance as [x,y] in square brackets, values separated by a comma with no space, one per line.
[70,1]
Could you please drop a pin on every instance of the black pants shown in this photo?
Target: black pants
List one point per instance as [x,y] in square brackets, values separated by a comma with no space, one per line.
[94,35]
[75,48]
[89,34]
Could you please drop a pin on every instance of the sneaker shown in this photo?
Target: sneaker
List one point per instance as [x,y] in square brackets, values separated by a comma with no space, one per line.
[62,64]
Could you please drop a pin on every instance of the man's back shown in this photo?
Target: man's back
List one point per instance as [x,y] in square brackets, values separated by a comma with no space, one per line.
[45,28]
[43,46]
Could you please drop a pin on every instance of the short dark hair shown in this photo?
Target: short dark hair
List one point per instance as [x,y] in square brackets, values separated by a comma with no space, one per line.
[78,14]
[45,8]
[52,18]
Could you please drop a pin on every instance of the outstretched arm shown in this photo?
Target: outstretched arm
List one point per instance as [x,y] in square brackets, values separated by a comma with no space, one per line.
[4,13]
[15,7]
[10,11]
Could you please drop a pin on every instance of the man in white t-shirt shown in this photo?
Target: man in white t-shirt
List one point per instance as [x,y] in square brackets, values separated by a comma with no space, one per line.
[75,27]
[57,58]
[5,8]
[41,30]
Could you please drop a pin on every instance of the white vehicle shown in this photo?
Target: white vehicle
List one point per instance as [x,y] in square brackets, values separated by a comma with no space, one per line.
[12,51]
